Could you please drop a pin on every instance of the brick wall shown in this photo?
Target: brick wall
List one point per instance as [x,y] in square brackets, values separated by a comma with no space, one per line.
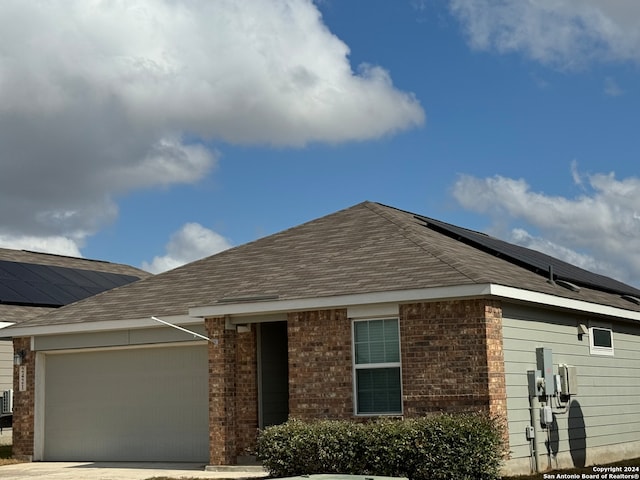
[24,403]
[452,357]
[233,402]
[222,351]
[452,361]
[246,392]
[320,379]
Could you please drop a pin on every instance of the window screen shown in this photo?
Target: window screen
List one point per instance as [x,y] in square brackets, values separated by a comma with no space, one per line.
[377,367]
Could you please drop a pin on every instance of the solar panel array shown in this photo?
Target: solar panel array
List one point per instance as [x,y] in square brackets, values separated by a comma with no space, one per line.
[53,286]
[531,259]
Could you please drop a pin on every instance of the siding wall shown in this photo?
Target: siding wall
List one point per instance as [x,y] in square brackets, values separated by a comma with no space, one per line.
[6,365]
[605,415]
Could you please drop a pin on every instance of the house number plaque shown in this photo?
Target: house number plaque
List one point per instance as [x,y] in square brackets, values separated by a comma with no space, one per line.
[22,378]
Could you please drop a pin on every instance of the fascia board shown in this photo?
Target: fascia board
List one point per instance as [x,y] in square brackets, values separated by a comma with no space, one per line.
[545,299]
[339,301]
[99,326]
[405,296]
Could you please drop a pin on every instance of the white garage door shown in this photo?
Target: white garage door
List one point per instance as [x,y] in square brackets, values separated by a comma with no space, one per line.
[145,404]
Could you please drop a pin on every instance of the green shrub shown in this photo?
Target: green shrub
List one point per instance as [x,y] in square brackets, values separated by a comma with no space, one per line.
[462,446]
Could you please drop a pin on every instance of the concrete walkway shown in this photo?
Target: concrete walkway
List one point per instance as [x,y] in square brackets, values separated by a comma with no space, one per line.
[119,471]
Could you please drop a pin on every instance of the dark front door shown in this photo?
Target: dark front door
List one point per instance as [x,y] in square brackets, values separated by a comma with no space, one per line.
[274,373]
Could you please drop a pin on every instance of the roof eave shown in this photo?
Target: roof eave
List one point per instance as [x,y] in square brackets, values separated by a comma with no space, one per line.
[238,311]
[269,307]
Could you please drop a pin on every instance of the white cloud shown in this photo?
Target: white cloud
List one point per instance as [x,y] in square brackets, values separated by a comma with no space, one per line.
[102,98]
[56,245]
[192,242]
[522,237]
[561,33]
[602,223]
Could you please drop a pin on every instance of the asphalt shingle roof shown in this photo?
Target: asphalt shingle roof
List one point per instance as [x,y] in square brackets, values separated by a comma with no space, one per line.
[367,248]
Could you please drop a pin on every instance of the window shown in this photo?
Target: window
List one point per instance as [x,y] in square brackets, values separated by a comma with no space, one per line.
[600,340]
[377,381]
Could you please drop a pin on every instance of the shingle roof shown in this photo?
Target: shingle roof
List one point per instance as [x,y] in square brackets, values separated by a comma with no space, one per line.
[367,248]
[49,272]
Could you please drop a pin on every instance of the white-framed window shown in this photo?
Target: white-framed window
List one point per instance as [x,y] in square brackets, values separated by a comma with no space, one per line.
[600,340]
[376,365]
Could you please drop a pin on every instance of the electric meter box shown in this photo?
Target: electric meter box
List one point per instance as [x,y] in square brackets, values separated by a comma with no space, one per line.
[544,363]
[568,380]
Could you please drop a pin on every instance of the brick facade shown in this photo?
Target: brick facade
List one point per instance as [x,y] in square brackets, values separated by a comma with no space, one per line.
[320,378]
[24,402]
[451,353]
[452,357]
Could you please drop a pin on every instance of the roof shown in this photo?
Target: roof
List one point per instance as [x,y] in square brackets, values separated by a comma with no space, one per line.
[33,283]
[366,249]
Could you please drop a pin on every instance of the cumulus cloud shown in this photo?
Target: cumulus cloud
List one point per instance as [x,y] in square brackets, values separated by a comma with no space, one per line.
[98,99]
[561,33]
[56,245]
[192,242]
[597,229]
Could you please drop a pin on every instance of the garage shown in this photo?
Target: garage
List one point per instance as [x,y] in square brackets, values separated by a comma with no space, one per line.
[131,404]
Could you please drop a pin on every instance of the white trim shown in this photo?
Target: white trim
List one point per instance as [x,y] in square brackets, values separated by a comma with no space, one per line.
[562,302]
[100,326]
[335,301]
[38,408]
[369,366]
[373,311]
[405,296]
[249,310]
[597,349]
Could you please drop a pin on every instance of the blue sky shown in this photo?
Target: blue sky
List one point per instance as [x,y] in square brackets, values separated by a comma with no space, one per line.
[154,132]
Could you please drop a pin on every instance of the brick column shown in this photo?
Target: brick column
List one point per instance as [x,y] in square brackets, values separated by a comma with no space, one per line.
[222,389]
[24,402]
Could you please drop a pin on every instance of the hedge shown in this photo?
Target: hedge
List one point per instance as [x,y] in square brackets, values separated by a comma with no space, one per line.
[446,446]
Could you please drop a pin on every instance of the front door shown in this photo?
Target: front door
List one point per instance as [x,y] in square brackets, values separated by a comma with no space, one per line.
[273,373]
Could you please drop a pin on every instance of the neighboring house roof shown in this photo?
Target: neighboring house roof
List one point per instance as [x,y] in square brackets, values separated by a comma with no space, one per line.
[366,249]
[32,283]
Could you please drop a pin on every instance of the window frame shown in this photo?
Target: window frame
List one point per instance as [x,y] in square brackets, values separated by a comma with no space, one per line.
[374,366]
[600,349]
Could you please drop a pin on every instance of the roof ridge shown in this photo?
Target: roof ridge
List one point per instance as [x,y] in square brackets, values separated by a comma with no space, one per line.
[433,250]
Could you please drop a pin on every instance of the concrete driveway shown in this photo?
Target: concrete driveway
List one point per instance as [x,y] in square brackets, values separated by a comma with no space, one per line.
[120,471]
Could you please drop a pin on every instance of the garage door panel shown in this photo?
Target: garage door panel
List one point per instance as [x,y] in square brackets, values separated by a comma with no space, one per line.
[147,404]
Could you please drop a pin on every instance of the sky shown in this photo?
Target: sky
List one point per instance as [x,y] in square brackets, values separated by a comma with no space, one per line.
[157,132]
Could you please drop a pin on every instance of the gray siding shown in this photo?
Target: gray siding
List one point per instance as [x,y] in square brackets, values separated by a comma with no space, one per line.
[606,411]
[6,365]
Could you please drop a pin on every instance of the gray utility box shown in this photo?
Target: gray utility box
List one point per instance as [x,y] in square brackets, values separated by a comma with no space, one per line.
[568,380]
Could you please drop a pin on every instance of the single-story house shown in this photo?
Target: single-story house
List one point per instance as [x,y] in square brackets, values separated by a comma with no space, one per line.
[367,312]
[34,283]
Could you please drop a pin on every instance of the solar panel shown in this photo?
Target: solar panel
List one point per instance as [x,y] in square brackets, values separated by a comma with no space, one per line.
[49,285]
[532,260]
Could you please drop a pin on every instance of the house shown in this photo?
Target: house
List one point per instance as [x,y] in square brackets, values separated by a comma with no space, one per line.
[366,312]
[33,283]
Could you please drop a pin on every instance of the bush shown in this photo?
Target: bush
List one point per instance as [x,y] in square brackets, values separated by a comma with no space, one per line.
[463,446]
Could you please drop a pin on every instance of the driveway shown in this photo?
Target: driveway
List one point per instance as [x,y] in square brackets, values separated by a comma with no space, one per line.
[119,471]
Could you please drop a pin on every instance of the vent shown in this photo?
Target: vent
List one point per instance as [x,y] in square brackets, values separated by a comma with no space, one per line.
[632,299]
[568,285]
[252,298]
